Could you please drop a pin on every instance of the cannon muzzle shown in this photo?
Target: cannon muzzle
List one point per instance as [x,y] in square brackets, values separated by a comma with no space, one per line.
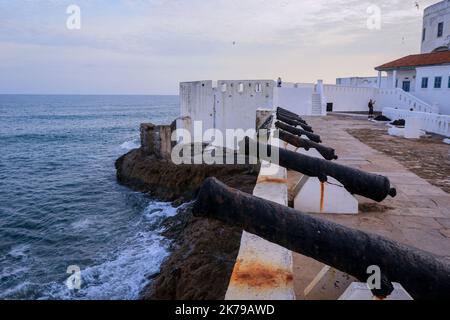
[355,181]
[298,132]
[326,152]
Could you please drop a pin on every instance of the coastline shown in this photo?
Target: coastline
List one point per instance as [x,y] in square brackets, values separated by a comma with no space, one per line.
[202,251]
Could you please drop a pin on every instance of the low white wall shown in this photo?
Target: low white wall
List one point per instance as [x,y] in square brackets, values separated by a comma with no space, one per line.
[348,98]
[297,100]
[431,122]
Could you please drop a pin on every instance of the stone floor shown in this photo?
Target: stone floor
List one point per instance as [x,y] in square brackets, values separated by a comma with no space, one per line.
[420,214]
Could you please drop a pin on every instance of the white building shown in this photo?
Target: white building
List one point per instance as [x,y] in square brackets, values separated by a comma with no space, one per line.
[436,28]
[426,76]
[417,85]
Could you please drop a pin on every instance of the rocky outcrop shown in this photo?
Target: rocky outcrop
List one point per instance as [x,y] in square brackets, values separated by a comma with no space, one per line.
[169,182]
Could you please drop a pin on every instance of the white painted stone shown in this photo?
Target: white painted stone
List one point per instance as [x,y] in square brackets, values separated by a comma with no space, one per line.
[447,141]
[396,132]
[413,128]
[329,284]
[360,291]
[337,200]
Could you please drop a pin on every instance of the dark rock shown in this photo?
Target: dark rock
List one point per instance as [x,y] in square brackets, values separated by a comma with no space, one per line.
[382,118]
[203,251]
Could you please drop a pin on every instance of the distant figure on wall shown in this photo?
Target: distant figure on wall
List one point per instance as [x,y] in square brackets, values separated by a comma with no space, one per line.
[279,83]
[371,106]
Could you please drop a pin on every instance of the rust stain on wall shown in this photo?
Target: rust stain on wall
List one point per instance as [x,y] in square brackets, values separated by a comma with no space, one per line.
[257,275]
[266,179]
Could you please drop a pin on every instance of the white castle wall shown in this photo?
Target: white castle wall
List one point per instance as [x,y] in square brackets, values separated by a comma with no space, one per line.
[230,105]
[295,99]
[348,98]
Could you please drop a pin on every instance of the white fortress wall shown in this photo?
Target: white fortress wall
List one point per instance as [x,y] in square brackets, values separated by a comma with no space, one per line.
[295,99]
[348,99]
[230,105]
[236,102]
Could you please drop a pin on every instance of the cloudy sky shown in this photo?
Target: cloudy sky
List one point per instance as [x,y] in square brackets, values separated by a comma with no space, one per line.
[149,46]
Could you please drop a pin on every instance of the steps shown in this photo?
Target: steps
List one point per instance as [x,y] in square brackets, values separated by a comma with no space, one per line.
[316,105]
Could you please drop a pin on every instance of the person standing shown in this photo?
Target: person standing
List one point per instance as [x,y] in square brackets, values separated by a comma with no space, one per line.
[371,106]
[279,82]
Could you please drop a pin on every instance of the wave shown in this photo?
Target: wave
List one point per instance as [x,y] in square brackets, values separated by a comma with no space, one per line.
[130,145]
[126,273]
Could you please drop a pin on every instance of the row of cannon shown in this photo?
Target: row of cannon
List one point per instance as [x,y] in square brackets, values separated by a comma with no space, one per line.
[422,274]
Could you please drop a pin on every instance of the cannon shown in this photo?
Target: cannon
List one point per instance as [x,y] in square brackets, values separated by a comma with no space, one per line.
[326,152]
[297,131]
[294,122]
[351,251]
[355,181]
[290,114]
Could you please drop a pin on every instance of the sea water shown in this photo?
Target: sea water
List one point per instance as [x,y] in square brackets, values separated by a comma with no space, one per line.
[60,203]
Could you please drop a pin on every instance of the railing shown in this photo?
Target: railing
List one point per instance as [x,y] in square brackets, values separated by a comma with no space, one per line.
[400,99]
[431,122]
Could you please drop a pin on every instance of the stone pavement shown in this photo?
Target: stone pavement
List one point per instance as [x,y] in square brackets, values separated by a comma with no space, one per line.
[419,216]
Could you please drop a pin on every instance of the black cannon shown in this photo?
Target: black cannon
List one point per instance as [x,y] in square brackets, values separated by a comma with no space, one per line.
[326,152]
[290,114]
[355,181]
[297,131]
[352,251]
[294,122]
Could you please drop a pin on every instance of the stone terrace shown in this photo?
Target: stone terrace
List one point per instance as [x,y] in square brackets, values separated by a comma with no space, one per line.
[420,214]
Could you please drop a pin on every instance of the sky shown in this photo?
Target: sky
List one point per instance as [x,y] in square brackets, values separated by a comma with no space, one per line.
[149,46]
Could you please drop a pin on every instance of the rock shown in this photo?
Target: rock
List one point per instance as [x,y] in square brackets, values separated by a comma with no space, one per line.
[166,181]
[204,254]
[204,251]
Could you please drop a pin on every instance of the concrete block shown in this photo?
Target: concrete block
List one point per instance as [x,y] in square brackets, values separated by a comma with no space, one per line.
[263,270]
[397,132]
[329,284]
[315,197]
[360,291]
[413,128]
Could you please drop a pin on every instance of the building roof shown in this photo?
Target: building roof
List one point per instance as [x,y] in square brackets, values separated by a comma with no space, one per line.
[417,60]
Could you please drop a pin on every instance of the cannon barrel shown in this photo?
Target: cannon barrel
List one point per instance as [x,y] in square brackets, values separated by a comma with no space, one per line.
[293,122]
[290,114]
[297,131]
[326,152]
[352,251]
[355,181]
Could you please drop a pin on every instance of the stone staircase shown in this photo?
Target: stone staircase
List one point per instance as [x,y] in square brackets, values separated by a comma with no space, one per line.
[316,109]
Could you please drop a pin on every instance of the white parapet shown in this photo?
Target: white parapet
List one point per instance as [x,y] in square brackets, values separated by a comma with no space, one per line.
[430,122]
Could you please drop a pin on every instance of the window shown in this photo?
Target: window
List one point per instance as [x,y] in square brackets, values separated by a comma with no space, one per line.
[424,83]
[424,34]
[437,82]
[440,29]
[449,82]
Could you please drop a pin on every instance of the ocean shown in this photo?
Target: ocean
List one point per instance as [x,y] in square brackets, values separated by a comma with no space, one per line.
[60,203]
